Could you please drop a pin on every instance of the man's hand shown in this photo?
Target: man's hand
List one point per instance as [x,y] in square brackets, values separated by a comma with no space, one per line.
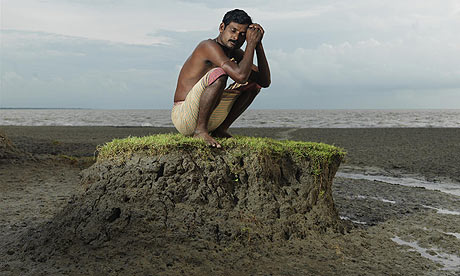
[254,34]
[257,27]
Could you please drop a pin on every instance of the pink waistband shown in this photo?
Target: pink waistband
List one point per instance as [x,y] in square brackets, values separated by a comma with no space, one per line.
[214,74]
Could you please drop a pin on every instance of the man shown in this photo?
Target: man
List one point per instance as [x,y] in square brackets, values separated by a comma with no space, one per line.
[202,106]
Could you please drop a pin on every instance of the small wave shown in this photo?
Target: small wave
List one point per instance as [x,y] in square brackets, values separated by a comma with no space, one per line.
[251,118]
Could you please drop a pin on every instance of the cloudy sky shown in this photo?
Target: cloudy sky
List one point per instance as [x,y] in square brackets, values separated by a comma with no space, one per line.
[330,54]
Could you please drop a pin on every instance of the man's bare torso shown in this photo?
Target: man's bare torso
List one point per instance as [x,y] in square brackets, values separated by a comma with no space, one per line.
[196,66]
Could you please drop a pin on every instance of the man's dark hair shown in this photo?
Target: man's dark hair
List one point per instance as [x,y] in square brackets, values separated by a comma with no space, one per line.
[237,16]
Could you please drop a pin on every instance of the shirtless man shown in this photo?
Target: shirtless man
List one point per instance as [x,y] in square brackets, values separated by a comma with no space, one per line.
[203,107]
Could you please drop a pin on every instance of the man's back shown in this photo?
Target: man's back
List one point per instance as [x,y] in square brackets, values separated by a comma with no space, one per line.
[196,66]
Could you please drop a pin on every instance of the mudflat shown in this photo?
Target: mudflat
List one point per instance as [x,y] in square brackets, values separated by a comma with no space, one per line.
[390,229]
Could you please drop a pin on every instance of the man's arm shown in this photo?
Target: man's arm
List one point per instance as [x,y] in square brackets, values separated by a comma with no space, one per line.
[241,71]
[261,75]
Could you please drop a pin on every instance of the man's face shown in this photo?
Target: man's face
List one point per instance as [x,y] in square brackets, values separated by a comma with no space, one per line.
[233,35]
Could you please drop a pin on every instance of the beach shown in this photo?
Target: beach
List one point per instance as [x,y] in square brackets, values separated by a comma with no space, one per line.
[390,229]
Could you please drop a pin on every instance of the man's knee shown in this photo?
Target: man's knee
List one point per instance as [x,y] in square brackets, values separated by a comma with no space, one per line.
[221,80]
[217,75]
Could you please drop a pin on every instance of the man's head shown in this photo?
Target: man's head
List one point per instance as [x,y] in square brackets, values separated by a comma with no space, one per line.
[233,28]
[237,16]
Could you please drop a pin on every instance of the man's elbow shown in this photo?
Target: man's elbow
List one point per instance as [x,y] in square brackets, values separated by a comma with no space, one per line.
[265,84]
[241,78]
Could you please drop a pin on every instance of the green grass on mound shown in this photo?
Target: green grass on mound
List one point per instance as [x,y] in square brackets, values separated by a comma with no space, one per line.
[120,149]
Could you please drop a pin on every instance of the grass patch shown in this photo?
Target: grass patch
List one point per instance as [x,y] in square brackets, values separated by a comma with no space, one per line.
[120,149]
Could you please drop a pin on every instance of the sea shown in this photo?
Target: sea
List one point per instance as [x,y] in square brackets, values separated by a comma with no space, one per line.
[368,118]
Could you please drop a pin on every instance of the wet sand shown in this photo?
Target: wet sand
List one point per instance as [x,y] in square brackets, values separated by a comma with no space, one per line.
[393,229]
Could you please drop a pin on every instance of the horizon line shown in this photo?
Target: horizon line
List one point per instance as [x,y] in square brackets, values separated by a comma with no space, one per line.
[89,108]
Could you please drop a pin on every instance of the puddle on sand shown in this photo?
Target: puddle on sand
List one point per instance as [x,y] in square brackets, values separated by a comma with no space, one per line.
[450,188]
[443,211]
[448,261]
[354,221]
[457,235]
[376,198]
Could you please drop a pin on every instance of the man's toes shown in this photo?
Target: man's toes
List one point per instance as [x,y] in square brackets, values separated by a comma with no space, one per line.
[214,144]
[211,143]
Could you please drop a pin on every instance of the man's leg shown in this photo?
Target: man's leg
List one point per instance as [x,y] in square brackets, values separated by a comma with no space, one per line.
[247,96]
[208,102]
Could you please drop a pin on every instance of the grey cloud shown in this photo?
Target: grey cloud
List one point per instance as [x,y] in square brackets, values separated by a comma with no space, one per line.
[55,71]
[370,65]
[228,4]
[327,54]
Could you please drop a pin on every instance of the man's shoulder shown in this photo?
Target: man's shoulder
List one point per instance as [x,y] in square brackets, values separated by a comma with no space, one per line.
[205,50]
[207,44]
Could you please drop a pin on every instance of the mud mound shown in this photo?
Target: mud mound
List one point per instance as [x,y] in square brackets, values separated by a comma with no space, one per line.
[175,191]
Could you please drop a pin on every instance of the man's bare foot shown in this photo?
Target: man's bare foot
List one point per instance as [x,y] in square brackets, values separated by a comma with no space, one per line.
[208,139]
[221,133]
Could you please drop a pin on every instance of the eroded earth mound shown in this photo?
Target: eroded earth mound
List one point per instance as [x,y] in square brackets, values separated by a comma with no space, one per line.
[150,197]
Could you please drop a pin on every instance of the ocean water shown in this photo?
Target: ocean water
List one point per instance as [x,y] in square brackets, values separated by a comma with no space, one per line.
[251,118]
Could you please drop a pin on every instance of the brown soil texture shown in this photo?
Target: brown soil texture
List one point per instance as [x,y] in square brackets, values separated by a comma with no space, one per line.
[222,200]
[56,222]
[7,150]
